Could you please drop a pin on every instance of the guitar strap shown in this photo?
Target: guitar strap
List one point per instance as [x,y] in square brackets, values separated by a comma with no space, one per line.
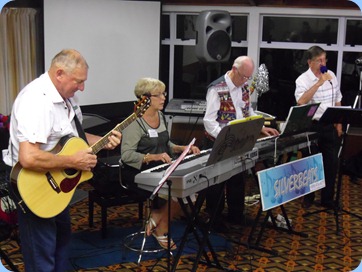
[80,130]
[78,125]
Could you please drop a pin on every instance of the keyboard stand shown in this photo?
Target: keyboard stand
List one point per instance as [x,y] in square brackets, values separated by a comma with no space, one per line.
[268,215]
[200,232]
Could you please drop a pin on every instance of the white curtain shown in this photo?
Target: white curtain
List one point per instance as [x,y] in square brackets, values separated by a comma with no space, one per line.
[18,53]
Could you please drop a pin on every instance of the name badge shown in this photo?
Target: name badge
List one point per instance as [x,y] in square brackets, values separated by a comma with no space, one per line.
[153,133]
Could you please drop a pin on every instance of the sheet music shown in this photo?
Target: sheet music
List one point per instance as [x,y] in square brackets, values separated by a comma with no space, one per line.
[173,166]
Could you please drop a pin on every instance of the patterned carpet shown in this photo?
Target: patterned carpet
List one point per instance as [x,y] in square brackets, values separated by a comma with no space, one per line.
[322,250]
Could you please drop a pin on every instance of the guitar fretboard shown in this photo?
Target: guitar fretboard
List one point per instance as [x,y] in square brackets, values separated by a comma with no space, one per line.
[101,143]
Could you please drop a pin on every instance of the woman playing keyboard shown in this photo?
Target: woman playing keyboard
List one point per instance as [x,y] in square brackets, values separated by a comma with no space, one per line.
[145,144]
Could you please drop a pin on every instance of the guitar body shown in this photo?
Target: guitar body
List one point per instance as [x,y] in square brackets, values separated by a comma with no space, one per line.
[47,194]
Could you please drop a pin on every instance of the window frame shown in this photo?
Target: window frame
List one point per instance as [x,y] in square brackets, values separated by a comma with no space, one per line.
[255,19]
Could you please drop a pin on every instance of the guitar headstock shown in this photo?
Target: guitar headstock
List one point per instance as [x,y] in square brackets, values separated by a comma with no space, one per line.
[142,105]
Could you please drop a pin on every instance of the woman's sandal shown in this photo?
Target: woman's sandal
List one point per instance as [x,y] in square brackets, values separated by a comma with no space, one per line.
[163,241]
[151,226]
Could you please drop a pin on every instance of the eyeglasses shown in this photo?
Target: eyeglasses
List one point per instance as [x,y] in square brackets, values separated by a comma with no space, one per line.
[159,95]
[320,61]
[243,77]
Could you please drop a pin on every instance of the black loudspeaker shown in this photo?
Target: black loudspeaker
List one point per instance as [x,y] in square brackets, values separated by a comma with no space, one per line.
[213,39]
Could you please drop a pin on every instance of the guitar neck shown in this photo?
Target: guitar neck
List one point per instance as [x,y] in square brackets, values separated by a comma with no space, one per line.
[101,143]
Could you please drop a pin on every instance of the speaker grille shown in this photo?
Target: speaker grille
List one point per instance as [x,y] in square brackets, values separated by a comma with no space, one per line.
[219,45]
[213,40]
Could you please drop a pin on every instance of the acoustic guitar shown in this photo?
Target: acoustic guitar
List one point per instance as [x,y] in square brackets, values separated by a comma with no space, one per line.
[47,194]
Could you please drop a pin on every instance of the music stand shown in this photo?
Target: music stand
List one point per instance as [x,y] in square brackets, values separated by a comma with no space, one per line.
[165,179]
[346,116]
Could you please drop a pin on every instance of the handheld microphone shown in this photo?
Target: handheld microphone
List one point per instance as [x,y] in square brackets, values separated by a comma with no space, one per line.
[324,70]
[358,61]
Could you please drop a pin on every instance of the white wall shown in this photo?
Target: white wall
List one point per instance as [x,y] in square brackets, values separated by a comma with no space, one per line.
[119,39]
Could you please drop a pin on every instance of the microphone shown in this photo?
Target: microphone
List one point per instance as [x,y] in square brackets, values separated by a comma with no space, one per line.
[324,70]
[358,61]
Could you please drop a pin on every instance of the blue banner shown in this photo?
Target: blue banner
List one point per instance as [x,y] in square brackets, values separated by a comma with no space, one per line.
[289,181]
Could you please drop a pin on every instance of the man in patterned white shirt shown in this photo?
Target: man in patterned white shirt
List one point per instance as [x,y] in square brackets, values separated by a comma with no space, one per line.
[227,99]
[320,85]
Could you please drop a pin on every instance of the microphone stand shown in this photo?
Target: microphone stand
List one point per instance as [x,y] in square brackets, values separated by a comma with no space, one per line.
[347,117]
[341,161]
[342,164]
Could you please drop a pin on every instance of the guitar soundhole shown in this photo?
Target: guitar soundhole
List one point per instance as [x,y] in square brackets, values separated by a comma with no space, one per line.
[70,171]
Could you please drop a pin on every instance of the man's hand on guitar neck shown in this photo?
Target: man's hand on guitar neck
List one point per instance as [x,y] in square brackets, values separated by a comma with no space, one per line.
[113,140]
[87,159]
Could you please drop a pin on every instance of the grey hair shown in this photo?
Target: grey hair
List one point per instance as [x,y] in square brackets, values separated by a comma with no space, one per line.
[239,61]
[68,60]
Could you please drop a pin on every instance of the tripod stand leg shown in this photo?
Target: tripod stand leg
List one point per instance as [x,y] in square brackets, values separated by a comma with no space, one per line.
[142,247]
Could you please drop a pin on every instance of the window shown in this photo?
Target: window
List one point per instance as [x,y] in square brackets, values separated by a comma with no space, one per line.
[353,32]
[351,76]
[186,27]
[284,67]
[303,29]
[279,39]
[239,28]
[190,75]
[165,65]
[165,27]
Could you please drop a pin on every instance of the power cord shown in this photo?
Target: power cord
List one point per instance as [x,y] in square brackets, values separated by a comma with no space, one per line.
[205,177]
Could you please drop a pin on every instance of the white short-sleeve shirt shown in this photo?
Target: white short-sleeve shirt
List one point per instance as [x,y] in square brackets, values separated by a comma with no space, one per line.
[328,94]
[40,115]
